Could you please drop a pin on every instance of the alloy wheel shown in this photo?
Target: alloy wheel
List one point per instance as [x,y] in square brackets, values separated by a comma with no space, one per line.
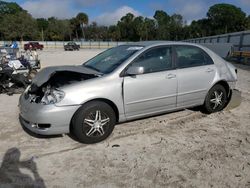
[216,100]
[96,124]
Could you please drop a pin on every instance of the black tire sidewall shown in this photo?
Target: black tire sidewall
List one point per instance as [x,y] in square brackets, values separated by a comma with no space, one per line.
[207,106]
[78,121]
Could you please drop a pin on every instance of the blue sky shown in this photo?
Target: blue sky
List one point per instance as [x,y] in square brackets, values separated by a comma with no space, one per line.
[107,12]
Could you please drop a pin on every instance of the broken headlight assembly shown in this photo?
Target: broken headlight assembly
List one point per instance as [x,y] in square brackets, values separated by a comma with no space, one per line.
[51,95]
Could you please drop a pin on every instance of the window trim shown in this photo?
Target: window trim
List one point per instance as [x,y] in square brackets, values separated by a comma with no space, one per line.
[173,67]
[186,45]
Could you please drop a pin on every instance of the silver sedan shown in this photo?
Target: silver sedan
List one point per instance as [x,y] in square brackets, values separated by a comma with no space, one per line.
[125,83]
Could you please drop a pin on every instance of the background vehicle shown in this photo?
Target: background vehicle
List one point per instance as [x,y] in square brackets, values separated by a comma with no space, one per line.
[33,46]
[71,46]
[125,83]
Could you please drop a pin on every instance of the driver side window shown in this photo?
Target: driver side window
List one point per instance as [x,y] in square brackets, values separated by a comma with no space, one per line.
[155,60]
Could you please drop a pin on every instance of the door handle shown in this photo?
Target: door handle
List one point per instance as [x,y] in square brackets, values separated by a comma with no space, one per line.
[209,70]
[171,76]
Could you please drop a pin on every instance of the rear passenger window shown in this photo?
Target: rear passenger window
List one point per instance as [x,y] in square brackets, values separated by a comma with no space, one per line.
[190,56]
[155,60]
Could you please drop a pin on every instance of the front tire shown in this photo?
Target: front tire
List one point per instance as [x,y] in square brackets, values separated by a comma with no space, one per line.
[93,122]
[216,99]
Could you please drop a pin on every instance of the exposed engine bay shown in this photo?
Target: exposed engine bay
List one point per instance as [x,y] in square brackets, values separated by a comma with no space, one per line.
[49,92]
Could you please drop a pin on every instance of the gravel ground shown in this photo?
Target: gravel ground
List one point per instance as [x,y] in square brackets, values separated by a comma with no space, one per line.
[180,149]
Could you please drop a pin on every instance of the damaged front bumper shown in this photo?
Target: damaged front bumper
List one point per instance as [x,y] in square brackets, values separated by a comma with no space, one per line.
[45,119]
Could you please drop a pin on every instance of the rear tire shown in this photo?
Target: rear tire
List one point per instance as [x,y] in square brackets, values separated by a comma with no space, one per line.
[216,99]
[93,122]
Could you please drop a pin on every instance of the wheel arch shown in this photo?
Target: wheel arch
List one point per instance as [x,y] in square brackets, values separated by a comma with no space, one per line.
[107,101]
[224,84]
[110,103]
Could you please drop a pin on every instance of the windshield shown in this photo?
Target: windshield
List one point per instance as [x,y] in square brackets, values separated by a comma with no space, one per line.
[110,59]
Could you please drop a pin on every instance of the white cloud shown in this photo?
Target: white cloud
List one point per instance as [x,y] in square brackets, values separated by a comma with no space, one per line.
[197,9]
[66,9]
[109,18]
[48,8]
[191,9]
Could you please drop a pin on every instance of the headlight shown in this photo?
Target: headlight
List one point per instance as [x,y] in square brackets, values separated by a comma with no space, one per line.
[52,95]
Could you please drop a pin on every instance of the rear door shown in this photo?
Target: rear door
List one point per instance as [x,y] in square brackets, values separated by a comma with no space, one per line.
[196,71]
[156,89]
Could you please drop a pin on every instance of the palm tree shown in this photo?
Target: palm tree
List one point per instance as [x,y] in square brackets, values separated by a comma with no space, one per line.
[82,19]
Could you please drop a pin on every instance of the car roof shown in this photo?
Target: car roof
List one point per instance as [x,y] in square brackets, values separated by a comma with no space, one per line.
[159,42]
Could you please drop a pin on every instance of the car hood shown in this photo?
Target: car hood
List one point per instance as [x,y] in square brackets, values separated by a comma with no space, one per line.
[45,74]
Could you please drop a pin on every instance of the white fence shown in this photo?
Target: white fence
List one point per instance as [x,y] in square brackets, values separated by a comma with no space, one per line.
[240,40]
[60,44]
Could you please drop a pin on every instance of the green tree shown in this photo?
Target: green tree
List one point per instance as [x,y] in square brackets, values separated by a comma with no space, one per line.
[82,19]
[126,27]
[139,26]
[58,30]
[175,27]
[149,29]
[9,8]
[200,28]
[95,32]
[103,33]
[74,27]
[19,26]
[92,32]
[42,25]
[162,20]
[226,18]
[248,22]
[10,18]
[114,33]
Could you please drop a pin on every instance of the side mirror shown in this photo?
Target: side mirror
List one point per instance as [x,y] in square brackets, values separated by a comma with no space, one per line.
[133,70]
